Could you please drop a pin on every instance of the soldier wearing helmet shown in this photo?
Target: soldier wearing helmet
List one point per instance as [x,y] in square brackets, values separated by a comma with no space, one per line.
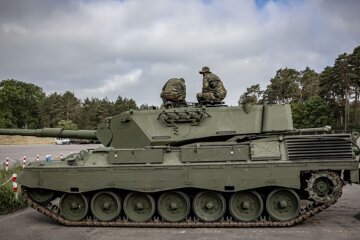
[174,90]
[213,89]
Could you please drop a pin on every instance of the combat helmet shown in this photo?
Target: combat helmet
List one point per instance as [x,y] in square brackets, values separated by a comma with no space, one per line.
[205,70]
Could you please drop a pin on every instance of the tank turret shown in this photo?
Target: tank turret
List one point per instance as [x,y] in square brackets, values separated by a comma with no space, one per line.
[176,126]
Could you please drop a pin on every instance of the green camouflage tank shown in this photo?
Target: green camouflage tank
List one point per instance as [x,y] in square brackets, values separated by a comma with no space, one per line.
[194,166]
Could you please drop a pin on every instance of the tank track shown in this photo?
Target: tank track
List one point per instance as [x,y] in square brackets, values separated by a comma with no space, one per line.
[52,211]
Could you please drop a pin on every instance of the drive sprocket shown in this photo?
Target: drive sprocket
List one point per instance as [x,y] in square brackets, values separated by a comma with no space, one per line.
[324,186]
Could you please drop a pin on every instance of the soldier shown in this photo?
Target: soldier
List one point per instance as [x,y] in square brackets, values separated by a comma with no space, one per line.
[174,90]
[213,89]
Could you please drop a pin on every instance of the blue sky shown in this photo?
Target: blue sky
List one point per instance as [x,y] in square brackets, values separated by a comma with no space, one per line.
[130,48]
[261,3]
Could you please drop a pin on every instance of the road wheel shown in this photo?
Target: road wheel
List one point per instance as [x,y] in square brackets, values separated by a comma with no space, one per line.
[173,206]
[139,207]
[209,206]
[246,206]
[41,196]
[283,204]
[73,207]
[105,206]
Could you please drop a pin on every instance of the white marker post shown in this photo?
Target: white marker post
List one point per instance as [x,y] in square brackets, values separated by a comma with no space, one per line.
[24,161]
[7,164]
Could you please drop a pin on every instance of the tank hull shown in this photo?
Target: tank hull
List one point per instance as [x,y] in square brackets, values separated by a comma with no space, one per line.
[218,166]
[222,177]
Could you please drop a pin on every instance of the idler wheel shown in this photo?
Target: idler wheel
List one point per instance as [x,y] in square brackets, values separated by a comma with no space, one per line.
[246,206]
[41,196]
[173,206]
[324,187]
[105,206]
[209,206]
[283,204]
[73,207]
[139,207]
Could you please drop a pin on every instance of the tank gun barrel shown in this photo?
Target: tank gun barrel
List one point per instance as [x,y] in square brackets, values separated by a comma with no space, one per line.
[51,132]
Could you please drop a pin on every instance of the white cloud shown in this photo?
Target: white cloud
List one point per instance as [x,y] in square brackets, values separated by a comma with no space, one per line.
[115,84]
[11,28]
[72,45]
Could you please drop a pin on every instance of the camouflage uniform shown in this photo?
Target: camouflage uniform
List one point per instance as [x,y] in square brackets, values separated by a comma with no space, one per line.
[213,88]
[174,90]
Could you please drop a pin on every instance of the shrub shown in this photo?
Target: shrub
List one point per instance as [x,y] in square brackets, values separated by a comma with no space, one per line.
[8,201]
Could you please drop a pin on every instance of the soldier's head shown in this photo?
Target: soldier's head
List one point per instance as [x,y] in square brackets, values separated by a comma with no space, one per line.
[205,70]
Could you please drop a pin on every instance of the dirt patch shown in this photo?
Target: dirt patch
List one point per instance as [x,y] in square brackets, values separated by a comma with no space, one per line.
[17,140]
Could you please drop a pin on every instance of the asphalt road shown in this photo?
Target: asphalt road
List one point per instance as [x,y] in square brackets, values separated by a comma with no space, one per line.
[341,221]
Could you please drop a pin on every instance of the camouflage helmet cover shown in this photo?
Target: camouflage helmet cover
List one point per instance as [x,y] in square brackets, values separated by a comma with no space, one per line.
[205,70]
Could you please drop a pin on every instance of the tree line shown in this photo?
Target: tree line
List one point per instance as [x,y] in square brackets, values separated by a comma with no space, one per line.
[25,105]
[330,97]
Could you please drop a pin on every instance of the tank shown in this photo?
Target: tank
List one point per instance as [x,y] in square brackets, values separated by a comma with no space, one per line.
[193,166]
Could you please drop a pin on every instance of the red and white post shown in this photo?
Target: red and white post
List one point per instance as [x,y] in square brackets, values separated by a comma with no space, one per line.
[24,161]
[7,164]
[14,176]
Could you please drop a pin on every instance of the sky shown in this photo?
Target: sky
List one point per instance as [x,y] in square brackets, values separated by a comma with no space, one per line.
[107,48]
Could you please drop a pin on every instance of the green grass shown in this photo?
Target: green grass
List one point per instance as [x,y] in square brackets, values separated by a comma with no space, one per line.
[8,201]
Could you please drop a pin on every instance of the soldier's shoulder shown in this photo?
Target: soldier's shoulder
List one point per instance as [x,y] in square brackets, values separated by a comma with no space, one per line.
[212,76]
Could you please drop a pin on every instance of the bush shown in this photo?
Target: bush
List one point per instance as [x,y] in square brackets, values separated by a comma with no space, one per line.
[8,201]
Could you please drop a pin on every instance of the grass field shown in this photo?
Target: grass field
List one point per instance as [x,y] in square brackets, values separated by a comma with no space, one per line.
[8,201]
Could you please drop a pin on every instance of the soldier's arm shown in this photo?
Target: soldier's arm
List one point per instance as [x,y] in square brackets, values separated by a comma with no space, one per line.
[205,85]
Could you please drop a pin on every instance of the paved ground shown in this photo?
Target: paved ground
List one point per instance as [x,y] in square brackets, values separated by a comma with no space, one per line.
[341,221]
